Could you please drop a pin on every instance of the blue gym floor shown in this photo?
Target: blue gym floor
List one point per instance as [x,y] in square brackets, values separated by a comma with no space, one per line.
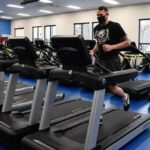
[141,142]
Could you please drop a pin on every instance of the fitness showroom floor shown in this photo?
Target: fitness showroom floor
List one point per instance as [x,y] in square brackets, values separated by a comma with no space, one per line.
[142,142]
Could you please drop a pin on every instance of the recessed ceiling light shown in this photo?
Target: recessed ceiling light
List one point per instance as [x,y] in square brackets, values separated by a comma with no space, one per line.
[73,7]
[45,1]
[1,11]
[45,11]
[6,17]
[14,6]
[113,2]
[21,14]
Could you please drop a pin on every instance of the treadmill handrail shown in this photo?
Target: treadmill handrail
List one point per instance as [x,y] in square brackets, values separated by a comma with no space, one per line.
[92,80]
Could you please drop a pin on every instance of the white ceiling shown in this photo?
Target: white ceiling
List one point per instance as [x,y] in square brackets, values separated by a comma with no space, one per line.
[58,6]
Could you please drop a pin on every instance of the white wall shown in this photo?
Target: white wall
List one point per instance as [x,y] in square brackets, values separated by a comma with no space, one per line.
[64,22]
[127,16]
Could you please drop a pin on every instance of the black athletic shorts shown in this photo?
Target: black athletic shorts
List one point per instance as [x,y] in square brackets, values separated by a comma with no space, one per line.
[113,64]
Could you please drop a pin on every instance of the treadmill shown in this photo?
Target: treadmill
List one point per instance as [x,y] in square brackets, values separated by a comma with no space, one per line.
[5,63]
[85,133]
[22,89]
[16,124]
[23,98]
[137,88]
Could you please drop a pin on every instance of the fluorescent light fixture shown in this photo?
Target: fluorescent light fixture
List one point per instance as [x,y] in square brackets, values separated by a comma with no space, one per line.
[6,17]
[1,11]
[14,6]
[45,11]
[45,1]
[113,2]
[73,7]
[25,15]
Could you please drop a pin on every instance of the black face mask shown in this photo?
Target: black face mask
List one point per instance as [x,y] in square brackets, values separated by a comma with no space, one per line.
[101,20]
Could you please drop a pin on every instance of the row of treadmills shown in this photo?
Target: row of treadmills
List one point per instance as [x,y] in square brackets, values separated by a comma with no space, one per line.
[65,125]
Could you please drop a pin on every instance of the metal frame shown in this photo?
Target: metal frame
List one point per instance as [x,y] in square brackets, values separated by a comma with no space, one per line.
[96,112]
[36,109]
[10,91]
[2,84]
[48,105]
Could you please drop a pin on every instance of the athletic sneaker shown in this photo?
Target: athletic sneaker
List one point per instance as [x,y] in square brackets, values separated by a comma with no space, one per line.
[126,103]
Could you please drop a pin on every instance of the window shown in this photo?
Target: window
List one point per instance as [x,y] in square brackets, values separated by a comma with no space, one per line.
[144,35]
[49,31]
[40,36]
[82,29]
[37,33]
[19,32]
[93,25]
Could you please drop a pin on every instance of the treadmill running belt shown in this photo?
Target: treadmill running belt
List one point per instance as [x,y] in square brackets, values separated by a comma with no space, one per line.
[66,109]
[73,106]
[13,123]
[23,97]
[114,121]
[136,88]
[19,85]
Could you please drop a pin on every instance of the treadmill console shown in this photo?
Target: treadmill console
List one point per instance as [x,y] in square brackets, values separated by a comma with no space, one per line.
[39,44]
[24,50]
[72,51]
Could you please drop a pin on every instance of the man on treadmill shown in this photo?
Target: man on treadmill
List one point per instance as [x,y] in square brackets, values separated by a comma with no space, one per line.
[110,37]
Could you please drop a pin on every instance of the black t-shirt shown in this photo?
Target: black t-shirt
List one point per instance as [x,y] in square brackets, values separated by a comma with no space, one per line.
[111,33]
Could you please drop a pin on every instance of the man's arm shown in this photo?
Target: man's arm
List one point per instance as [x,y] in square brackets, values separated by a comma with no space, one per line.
[95,49]
[125,43]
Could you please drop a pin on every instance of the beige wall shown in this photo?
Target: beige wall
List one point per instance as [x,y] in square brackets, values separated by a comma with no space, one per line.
[127,16]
